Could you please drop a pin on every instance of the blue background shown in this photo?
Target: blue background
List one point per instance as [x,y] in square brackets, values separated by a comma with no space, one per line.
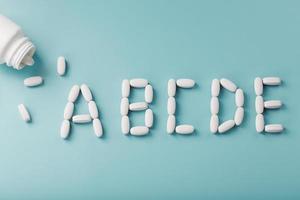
[107,41]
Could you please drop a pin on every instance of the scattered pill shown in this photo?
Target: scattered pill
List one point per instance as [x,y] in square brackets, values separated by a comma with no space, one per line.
[65,129]
[125,88]
[148,93]
[272,104]
[149,118]
[214,105]
[258,86]
[138,82]
[33,81]
[185,83]
[125,125]
[214,123]
[239,116]
[215,88]
[259,104]
[184,129]
[139,130]
[239,98]
[171,88]
[86,92]
[274,128]
[271,81]
[228,85]
[226,126]
[80,119]
[124,107]
[68,112]
[97,126]
[259,123]
[171,123]
[61,66]
[73,94]
[171,107]
[24,113]
[138,106]
[93,109]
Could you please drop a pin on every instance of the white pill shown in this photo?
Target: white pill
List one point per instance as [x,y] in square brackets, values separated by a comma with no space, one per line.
[33,81]
[258,86]
[259,104]
[93,109]
[171,107]
[228,85]
[260,123]
[149,118]
[65,129]
[271,81]
[171,88]
[86,92]
[125,125]
[124,107]
[215,88]
[73,94]
[274,128]
[272,104]
[184,129]
[139,130]
[138,106]
[214,123]
[125,88]
[79,119]
[185,83]
[148,93]
[138,82]
[214,105]
[171,123]
[239,98]
[239,116]
[226,126]
[69,109]
[24,113]
[97,126]
[61,66]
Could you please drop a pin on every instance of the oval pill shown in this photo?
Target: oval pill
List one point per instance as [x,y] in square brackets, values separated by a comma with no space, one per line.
[148,93]
[239,116]
[125,88]
[65,129]
[185,83]
[33,81]
[69,109]
[272,104]
[139,130]
[215,88]
[258,86]
[259,104]
[138,82]
[171,124]
[274,128]
[259,123]
[93,109]
[97,126]
[271,81]
[79,119]
[214,123]
[86,92]
[61,66]
[149,118]
[227,84]
[239,98]
[73,94]
[125,125]
[184,129]
[171,88]
[138,106]
[124,107]
[226,126]
[214,105]
[171,107]
[24,113]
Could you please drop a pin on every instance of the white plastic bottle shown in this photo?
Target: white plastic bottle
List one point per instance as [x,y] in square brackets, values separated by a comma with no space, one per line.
[16,50]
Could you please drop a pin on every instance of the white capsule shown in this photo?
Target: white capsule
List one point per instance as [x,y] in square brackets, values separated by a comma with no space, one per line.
[24,113]
[215,88]
[260,123]
[149,118]
[86,92]
[138,83]
[73,94]
[93,109]
[259,104]
[65,129]
[214,105]
[171,123]
[239,116]
[148,93]
[69,109]
[124,107]
[61,66]
[27,60]
[97,126]
[272,104]
[214,123]
[228,85]
[33,81]
[271,81]
[139,130]
[226,126]
[80,119]
[138,106]
[274,128]
[125,88]
[258,86]
[184,129]
[185,83]
[125,125]
[171,88]
[239,98]
[171,107]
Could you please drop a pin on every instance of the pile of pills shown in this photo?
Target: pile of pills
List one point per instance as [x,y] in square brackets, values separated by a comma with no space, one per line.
[125,107]
[171,106]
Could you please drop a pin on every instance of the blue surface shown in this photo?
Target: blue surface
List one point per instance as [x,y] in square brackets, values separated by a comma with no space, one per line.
[107,41]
